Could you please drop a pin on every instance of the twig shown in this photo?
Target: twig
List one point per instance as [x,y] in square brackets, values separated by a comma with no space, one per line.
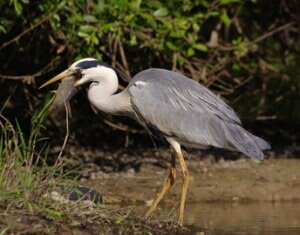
[174,62]
[58,160]
[114,51]
[268,34]
[243,82]
[17,38]
[123,57]
[28,78]
[260,38]
[122,128]
[265,117]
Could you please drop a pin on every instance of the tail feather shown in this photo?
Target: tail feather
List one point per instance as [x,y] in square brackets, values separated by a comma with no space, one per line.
[263,145]
[245,142]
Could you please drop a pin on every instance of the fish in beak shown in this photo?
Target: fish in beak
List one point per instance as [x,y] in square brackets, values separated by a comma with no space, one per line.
[66,89]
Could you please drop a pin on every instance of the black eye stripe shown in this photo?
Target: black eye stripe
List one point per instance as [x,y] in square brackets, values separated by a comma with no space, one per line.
[94,63]
[91,63]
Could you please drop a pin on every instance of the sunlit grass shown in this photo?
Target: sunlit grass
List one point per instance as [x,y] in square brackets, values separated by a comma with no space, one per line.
[27,182]
[25,178]
[32,198]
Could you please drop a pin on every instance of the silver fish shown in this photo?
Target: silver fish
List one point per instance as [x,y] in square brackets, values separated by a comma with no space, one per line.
[64,93]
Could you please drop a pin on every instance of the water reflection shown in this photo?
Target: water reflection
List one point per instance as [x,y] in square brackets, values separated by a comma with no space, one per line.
[240,219]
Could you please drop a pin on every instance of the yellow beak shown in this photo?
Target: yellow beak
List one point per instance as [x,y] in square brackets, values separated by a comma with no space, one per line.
[61,76]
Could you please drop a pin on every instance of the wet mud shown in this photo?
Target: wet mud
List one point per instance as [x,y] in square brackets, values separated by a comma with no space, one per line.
[224,197]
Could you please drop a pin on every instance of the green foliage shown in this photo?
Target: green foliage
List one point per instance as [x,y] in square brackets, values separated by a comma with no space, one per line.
[174,26]
[232,46]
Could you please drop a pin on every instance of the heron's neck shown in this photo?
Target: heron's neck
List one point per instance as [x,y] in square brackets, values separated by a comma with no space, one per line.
[102,94]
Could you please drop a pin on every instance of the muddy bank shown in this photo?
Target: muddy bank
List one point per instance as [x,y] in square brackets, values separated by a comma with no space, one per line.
[274,180]
[225,197]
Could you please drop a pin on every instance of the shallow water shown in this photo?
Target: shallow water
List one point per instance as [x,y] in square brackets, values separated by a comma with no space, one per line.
[235,198]
[240,219]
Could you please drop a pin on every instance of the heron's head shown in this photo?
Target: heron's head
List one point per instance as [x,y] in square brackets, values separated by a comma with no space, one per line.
[85,70]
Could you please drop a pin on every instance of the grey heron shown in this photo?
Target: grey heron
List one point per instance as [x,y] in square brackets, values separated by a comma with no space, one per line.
[174,107]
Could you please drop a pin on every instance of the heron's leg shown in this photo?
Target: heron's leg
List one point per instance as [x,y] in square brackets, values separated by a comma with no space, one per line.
[185,179]
[167,185]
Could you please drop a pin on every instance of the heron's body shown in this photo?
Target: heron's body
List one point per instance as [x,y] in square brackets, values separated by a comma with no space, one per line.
[176,107]
[179,108]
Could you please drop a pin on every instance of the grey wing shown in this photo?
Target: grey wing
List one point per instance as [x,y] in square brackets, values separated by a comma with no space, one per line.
[178,111]
[180,92]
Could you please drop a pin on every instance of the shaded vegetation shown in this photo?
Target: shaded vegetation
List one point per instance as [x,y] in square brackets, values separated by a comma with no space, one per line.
[247,51]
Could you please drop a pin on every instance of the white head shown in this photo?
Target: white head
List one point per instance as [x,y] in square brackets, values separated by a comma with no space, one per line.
[92,70]
[87,70]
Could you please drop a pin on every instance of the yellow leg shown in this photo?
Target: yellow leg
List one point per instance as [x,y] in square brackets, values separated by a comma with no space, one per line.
[167,185]
[185,179]
[185,183]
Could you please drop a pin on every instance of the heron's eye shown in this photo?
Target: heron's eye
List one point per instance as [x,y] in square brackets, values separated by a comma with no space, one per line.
[78,74]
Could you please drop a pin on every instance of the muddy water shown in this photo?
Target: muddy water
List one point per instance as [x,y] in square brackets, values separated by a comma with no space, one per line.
[239,197]
[253,218]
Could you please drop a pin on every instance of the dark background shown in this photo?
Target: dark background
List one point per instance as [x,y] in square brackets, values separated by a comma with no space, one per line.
[245,51]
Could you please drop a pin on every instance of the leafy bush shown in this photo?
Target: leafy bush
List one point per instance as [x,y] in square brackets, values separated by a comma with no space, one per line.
[247,51]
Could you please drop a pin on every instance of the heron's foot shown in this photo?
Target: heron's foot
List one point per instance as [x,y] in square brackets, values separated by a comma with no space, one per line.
[154,204]
[149,212]
[167,185]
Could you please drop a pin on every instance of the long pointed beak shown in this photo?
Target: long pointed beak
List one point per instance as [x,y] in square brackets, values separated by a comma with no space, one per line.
[60,76]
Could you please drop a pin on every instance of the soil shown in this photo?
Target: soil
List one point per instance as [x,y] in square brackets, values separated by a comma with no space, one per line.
[224,196]
[272,180]
[246,191]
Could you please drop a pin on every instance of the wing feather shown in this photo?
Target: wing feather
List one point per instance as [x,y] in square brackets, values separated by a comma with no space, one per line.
[189,113]
[180,92]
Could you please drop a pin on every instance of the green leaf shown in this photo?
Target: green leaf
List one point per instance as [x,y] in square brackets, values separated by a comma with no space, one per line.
[18,7]
[172,46]
[214,13]
[2,29]
[196,27]
[150,20]
[182,23]
[86,28]
[226,2]
[190,52]
[90,19]
[200,47]
[225,19]
[167,24]
[135,5]
[177,34]
[236,68]
[56,17]
[108,27]
[204,3]
[199,16]
[133,40]
[95,40]
[53,214]
[83,35]
[161,12]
